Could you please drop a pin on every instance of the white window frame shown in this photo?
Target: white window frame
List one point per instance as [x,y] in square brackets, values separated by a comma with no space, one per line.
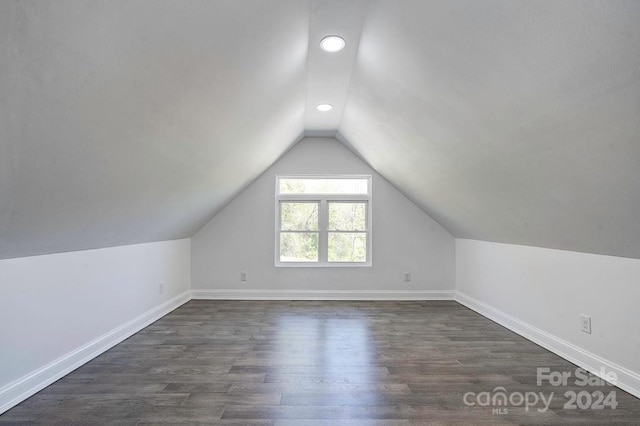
[323,220]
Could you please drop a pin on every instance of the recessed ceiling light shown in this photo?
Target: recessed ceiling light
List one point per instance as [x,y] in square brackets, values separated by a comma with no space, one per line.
[324,107]
[332,44]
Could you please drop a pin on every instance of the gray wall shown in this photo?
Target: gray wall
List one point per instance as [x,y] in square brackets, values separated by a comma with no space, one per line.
[241,237]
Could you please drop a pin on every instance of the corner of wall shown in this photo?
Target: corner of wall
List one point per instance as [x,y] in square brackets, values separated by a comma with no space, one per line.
[511,285]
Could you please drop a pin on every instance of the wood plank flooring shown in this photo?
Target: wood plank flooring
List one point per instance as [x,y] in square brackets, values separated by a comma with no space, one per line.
[317,363]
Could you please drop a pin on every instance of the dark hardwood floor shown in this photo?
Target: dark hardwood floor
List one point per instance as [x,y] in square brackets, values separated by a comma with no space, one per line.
[320,363]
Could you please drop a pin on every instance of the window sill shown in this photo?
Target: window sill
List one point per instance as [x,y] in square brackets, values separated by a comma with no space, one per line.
[322,265]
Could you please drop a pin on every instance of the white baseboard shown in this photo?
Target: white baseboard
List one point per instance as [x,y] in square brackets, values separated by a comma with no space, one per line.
[16,392]
[253,294]
[21,389]
[628,381]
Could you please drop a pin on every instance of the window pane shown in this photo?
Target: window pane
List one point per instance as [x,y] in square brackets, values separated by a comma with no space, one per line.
[299,216]
[347,216]
[298,247]
[323,186]
[347,247]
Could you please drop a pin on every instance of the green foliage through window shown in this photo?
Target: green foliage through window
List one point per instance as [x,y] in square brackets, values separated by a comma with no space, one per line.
[299,247]
[323,220]
[299,216]
[347,216]
[323,186]
[347,247]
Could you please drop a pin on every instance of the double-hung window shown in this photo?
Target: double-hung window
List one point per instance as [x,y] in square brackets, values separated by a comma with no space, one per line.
[323,220]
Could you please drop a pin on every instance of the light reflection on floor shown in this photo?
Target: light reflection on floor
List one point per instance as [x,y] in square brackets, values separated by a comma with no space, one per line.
[332,350]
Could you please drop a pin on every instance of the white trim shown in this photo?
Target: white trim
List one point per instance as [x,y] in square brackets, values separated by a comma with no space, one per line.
[322,200]
[21,389]
[628,380]
[328,176]
[255,294]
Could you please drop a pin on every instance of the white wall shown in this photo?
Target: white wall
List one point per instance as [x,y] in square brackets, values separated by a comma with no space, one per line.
[241,238]
[543,292]
[55,310]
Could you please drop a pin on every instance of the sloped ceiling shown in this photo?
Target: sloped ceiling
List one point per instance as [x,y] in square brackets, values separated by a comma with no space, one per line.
[133,121]
[508,121]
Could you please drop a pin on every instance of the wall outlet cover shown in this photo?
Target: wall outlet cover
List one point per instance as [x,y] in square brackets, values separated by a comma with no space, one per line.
[585,323]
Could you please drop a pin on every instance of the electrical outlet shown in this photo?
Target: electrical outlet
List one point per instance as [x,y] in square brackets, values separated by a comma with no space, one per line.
[585,323]
[407,276]
[161,287]
[243,275]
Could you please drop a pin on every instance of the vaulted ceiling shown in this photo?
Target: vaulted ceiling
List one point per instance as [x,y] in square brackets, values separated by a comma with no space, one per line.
[133,121]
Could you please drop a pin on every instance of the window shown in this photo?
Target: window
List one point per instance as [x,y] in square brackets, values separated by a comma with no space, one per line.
[323,220]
